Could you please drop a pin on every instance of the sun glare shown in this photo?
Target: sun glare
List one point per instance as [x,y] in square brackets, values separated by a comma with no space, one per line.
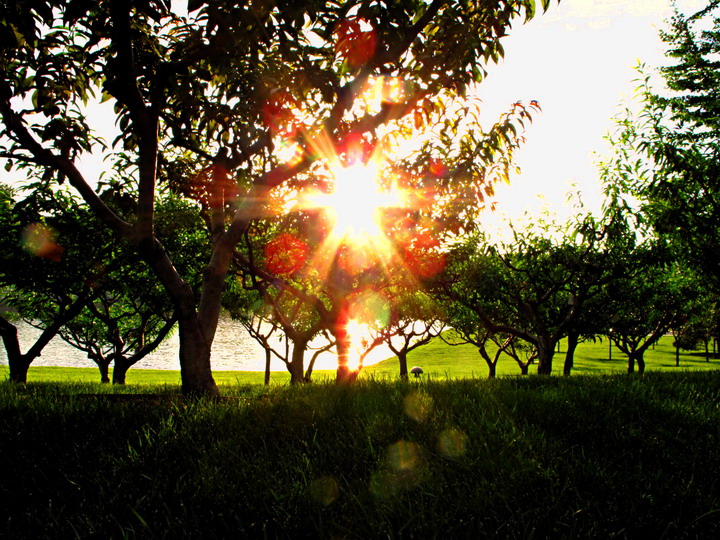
[356,202]
[358,334]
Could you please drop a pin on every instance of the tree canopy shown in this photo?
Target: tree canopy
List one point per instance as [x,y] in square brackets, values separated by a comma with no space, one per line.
[667,155]
[243,106]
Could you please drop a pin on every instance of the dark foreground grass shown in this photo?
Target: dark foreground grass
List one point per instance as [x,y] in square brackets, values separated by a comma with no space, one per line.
[603,456]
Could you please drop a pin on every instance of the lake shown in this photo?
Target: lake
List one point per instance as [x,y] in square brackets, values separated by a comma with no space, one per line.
[233,350]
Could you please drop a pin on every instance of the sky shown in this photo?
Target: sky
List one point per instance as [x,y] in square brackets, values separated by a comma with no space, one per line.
[578,61]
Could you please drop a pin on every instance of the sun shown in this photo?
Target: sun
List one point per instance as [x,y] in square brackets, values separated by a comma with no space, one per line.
[356,203]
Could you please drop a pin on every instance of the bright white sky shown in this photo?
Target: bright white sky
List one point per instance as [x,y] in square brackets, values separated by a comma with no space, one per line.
[577,60]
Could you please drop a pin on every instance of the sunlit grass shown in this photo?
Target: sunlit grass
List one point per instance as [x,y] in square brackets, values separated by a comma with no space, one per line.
[153,377]
[440,360]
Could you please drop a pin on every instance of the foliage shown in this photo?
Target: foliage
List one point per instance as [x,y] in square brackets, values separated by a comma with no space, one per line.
[69,262]
[212,104]
[667,155]
[536,285]
[47,272]
[647,306]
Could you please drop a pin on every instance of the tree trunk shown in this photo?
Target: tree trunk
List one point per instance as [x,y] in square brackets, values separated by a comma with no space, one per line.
[546,351]
[524,369]
[402,360]
[196,329]
[342,342]
[120,369]
[491,364]
[640,358]
[195,370]
[707,351]
[17,362]
[677,353]
[18,369]
[573,339]
[104,367]
[631,364]
[492,370]
[295,366]
[268,356]
[636,357]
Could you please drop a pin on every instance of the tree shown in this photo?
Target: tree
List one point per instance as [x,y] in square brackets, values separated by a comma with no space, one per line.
[66,276]
[47,273]
[122,325]
[534,286]
[479,336]
[205,103]
[265,311]
[522,352]
[702,327]
[668,154]
[413,320]
[646,306]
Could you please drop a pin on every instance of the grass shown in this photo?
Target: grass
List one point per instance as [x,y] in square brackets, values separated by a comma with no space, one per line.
[439,360]
[586,456]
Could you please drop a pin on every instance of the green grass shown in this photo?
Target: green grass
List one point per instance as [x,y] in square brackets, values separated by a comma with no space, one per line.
[152,377]
[440,360]
[580,457]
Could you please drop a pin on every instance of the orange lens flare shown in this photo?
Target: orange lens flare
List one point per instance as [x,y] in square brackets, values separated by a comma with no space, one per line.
[356,41]
[285,254]
[358,335]
[39,240]
[423,257]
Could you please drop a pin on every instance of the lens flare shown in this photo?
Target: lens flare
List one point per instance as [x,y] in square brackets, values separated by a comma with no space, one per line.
[452,443]
[39,240]
[324,490]
[358,335]
[418,406]
[285,254]
[355,41]
[423,256]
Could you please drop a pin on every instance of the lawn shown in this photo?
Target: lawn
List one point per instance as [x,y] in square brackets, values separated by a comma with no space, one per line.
[609,456]
[438,360]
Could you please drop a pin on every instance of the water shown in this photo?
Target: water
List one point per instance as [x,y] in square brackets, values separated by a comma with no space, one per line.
[233,350]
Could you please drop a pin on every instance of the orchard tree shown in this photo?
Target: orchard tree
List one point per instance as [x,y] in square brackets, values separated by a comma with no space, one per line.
[702,327]
[475,333]
[233,101]
[269,312]
[533,286]
[647,306]
[522,352]
[132,315]
[119,330]
[47,271]
[249,309]
[412,320]
[67,276]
